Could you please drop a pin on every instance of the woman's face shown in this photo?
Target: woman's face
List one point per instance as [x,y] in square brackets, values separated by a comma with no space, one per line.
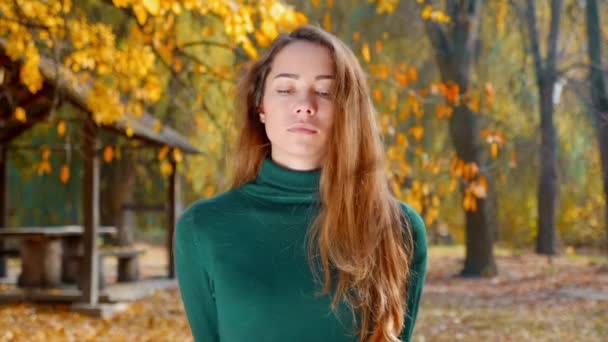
[298,107]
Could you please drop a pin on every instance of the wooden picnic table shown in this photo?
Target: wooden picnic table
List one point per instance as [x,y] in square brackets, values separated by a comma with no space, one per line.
[46,253]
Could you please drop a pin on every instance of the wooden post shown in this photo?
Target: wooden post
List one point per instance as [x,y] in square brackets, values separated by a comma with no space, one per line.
[3,202]
[90,214]
[171,216]
[123,183]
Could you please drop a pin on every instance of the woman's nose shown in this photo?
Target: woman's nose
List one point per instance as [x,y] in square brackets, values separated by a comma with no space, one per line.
[305,106]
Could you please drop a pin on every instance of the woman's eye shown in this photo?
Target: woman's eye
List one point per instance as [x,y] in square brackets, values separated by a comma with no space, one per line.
[324,93]
[284,91]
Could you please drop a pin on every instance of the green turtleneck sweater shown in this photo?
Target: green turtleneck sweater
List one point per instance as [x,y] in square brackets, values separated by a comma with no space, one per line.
[242,266]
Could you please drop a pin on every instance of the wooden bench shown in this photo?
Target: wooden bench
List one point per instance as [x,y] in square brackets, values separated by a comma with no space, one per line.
[42,249]
[128,262]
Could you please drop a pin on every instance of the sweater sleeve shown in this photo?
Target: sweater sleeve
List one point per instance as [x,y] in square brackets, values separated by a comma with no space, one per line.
[418,269]
[194,282]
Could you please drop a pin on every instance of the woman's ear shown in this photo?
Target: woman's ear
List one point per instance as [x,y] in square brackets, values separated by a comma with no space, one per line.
[260,110]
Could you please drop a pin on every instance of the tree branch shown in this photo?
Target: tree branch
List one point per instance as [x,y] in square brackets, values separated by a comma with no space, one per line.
[437,36]
[533,33]
[556,12]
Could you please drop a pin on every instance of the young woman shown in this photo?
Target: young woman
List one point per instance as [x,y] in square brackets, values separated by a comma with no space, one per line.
[309,244]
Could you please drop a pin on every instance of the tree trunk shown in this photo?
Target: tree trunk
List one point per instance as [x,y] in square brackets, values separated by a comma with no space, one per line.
[455,54]
[3,203]
[547,187]
[599,94]
[479,259]
[546,75]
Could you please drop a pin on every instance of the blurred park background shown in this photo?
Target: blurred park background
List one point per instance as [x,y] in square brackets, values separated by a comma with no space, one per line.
[494,116]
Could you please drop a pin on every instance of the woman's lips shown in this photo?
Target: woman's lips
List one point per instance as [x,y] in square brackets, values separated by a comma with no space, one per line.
[305,129]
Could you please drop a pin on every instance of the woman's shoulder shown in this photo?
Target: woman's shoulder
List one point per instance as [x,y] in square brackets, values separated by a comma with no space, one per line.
[204,212]
[416,224]
[412,215]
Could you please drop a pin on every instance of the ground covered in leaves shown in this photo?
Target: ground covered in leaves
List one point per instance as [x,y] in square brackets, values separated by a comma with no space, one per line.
[533,299]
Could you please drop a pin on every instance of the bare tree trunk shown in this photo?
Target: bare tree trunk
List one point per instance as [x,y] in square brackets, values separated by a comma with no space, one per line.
[3,202]
[455,54]
[546,74]
[599,93]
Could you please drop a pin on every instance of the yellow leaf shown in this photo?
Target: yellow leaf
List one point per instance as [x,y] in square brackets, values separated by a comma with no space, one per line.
[269,29]
[327,22]
[209,191]
[157,126]
[46,152]
[177,155]
[140,13]
[489,89]
[443,111]
[20,114]
[108,154]
[356,36]
[426,12]
[392,153]
[44,167]
[315,3]
[404,114]
[166,168]
[177,64]
[413,74]
[64,174]
[365,52]
[29,73]
[300,19]
[494,150]
[61,128]
[474,103]
[378,94]
[249,48]
[470,202]
[153,6]
[260,38]
[415,104]
[401,79]
[163,152]
[378,46]
[120,3]
[129,131]
[417,131]
[401,139]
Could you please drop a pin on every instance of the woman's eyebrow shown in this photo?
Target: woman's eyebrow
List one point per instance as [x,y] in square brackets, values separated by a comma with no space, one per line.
[296,76]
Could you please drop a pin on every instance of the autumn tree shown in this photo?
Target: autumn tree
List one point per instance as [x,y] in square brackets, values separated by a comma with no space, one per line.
[456,47]
[546,73]
[599,91]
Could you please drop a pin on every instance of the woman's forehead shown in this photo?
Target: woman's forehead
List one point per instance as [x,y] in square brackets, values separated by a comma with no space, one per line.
[301,58]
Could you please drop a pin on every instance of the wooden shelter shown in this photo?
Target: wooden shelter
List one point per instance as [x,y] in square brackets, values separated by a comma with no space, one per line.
[58,81]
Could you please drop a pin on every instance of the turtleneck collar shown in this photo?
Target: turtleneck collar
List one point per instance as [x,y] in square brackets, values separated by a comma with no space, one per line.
[280,177]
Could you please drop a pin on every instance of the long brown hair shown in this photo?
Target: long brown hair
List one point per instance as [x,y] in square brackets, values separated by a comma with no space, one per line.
[358,234]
